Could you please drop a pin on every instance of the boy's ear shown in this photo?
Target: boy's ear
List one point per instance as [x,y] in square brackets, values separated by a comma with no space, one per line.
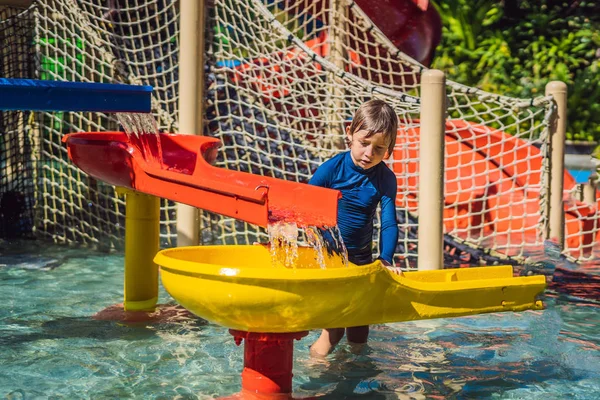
[388,152]
[348,136]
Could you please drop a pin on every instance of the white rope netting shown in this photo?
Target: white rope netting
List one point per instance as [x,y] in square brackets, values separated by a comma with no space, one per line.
[284,84]
[85,41]
[283,78]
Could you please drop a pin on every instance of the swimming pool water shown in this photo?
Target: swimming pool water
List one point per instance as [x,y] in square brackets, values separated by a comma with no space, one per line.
[50,347]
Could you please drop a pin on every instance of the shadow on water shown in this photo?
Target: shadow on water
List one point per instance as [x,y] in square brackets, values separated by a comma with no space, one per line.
[35,255]
[491,362]
[88,328]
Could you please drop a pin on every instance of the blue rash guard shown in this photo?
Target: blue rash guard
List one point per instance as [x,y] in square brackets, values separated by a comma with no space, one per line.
[362,190]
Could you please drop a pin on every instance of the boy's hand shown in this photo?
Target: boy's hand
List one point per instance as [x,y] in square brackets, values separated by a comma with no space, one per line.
[395,270]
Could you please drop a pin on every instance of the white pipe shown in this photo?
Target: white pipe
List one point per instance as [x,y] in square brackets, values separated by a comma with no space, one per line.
[431,170]
[558,129]
[337,38]
[191,100]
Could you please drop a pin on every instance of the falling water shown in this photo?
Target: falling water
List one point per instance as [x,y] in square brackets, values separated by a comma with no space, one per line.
[142,132]
[317,239]
[336,234]
[283,239]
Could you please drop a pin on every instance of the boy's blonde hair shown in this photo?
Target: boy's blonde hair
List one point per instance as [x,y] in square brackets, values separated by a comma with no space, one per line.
[376,116]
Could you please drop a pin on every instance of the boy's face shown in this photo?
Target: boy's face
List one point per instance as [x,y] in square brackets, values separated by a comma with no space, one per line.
[367,152]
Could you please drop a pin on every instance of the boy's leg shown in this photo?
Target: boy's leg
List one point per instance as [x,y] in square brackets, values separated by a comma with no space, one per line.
[357,336]
[327,341]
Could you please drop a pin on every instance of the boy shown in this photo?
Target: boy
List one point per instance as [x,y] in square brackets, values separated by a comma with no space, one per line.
[364,182]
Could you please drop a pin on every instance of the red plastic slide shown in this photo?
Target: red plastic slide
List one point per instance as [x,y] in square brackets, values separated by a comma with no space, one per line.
[185,175]
[413,26]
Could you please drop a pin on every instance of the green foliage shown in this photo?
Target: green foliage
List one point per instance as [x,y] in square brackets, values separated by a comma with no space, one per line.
[516,47]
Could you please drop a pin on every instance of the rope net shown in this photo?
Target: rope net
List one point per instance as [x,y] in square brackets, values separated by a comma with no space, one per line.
[17,158]
[282,81]
[285,79]
[129,42]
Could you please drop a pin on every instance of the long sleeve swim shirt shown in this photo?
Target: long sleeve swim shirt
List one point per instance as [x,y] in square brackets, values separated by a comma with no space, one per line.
[362,190]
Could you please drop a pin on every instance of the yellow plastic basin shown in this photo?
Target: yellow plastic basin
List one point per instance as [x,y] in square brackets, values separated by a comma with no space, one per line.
[237,287]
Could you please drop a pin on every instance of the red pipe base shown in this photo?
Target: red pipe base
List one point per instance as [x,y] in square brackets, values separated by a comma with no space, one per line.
[268,362]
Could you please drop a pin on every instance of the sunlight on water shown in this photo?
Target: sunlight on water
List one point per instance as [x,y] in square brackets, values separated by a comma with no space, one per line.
[283,239]
[142,131]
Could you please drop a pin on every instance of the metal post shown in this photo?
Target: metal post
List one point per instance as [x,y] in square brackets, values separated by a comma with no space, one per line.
[431,170]
[191,100]
[558,128]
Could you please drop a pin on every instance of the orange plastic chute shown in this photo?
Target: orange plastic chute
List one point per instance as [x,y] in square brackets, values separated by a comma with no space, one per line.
[185,175]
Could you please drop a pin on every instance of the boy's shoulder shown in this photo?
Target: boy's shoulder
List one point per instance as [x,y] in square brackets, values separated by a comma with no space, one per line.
[328,171]
[338,157]
[387,176]
[335,160]
[386,172]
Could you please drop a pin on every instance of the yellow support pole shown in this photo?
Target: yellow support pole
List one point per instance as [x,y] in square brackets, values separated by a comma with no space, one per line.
[142,218]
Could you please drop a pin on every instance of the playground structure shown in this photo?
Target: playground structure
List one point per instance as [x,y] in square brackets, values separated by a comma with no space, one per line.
[267,307]
[486,171]
[495,288]
[242,288]
[285,136]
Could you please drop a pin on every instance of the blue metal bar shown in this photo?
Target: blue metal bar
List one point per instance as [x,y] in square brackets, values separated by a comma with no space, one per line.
[37,95]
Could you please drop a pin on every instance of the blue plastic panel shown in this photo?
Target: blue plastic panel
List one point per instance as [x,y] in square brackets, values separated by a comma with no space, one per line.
[36,95]
[580,175]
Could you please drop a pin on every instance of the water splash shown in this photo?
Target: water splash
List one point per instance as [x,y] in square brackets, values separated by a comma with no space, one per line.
[339,243]
[326,241]
[142,132]
[283,238]
[316,241]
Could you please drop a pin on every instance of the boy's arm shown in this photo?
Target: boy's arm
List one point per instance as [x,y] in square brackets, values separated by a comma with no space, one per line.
[388,237]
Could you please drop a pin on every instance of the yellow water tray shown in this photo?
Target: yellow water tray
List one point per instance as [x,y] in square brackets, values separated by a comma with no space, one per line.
[237,287]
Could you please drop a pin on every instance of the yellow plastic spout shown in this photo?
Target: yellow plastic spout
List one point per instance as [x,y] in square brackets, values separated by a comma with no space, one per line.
[141,245]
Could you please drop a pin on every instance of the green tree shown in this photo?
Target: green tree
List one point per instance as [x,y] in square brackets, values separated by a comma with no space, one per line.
[515,47]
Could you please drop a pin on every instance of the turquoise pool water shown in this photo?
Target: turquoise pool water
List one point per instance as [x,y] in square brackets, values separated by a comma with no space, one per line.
[50,347]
